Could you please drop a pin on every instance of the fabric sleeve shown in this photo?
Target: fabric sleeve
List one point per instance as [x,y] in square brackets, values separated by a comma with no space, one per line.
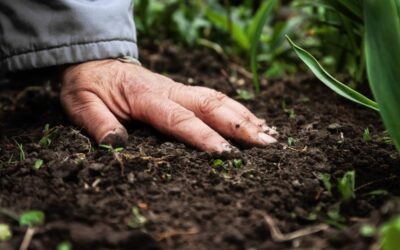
[42,33]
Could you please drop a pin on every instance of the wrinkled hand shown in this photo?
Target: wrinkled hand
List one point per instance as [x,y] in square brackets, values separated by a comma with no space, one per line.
[99,95]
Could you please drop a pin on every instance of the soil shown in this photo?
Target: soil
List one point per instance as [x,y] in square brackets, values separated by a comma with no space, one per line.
[87,193]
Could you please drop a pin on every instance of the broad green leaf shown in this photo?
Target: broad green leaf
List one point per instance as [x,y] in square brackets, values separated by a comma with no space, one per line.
[32,218]
[259,22]
[340,88]
[382,48]
[389,234]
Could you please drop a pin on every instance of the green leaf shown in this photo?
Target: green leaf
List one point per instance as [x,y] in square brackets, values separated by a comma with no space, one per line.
[258,25]
[32,218]
[222,21]
[38,164]
[5,232]
[326,180]
[346,186]
[340,88]
[382,48]
[367,230]
[64,246]
[389,234]
[137,220]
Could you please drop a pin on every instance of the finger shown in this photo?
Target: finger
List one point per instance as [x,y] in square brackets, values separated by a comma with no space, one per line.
[173,119]
[212,110]
[239,108]
[89,112]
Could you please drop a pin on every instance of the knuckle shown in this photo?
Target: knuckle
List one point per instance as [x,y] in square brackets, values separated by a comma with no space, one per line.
[177,117]
[208,104]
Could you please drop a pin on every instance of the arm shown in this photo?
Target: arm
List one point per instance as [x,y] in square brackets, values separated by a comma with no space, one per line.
[99,91]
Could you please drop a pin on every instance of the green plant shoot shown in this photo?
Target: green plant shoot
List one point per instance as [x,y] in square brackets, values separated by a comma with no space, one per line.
[32,218]
[346,186]
[390,234]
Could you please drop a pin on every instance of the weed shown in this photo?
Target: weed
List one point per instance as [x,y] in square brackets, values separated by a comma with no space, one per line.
[237,163]
[38,164]
[346,186]
[22,156]
[5,232]
[289,111]
[32,218]
[290,141]
[110,149]
[64,246]
[366,135]
[367,230]
[45,141]
[326,181]
[137,220]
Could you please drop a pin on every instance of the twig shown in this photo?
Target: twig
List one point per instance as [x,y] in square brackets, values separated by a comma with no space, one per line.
[278,236]
[27,238]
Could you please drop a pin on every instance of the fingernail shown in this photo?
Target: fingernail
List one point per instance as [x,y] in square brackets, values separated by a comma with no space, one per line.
[116,138]
[268,130]
[266,138]
[226,147]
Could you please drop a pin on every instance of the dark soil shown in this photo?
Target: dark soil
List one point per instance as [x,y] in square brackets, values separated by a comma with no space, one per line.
[87,193]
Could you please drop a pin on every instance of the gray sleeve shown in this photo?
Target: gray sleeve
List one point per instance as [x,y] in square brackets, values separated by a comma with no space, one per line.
[42,33]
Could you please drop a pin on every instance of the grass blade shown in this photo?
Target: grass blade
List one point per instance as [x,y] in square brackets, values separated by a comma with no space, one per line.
[340,88]
[382,48]
[258,24]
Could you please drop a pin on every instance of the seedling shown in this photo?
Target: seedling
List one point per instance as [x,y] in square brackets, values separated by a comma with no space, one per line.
[244,94]
[32,218]
[290,141]
[346,186]
[64,246]
[237,163]
[22,156]
[326,181]
[289,111]
[45,141]
[5,232]
[38,164]
[109,148]
[367,230]
[366,135]
[137,220]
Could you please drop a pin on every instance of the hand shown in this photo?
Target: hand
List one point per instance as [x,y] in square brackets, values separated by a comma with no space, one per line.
[99,95]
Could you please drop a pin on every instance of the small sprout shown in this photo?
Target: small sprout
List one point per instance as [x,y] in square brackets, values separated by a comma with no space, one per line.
[45,141]
[22,156]
[290,141]
[64,246]
[237,163]
[346,186]
[326,180]
[389,234]
[217,163]
[367,230]
[378,192]
[289,111]
[38,164]
[366,135]
[32,218]
[166,177]
[5,232]
[111,149]
[137,220]
[245,95]
[335,218]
